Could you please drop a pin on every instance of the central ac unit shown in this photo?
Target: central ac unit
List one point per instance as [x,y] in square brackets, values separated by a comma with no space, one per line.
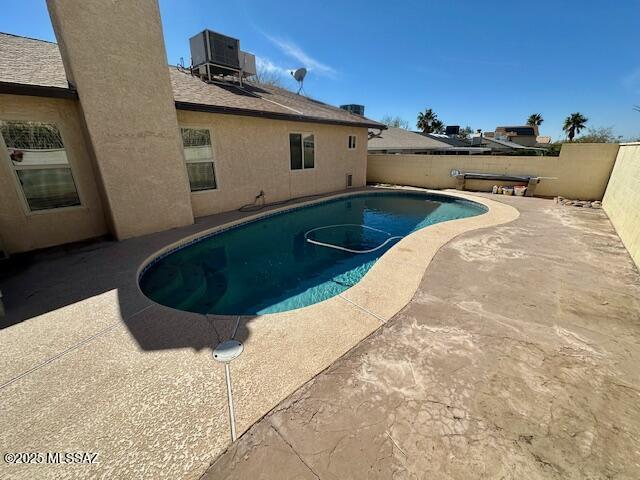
[215,48]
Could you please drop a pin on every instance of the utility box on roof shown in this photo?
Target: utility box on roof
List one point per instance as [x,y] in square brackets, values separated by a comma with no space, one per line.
[215,48]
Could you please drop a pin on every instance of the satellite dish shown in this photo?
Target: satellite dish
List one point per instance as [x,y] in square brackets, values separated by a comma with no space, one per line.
[299,75]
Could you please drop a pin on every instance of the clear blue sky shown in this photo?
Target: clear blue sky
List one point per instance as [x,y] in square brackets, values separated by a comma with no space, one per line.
[481,64]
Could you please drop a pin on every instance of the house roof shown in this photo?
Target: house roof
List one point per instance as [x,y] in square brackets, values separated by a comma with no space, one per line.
[30,62]
[507,143]
[34,67]
[401,139]
[526,130]
[454,142]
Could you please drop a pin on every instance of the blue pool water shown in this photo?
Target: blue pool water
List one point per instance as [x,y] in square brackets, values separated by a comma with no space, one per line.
[268,265]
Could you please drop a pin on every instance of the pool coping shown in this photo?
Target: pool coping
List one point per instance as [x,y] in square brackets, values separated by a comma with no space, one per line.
[425,242]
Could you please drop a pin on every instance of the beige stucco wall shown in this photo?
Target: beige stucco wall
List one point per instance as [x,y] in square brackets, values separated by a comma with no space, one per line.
[21,230]
[252,154]
[114,53]
[580,172]
[622,198]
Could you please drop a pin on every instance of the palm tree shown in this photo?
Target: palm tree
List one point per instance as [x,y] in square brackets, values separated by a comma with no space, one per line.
[573,124]
[437,126]
[426,120]
[535,120]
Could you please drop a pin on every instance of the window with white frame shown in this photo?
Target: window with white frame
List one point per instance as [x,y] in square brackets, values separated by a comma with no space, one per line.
[352,142]
[302,148]
[38,158]
[198,154]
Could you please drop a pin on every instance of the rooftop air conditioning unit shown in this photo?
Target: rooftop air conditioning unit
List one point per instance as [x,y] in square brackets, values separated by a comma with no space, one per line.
[216,49]
[452,130]
[247,64]
[354,108]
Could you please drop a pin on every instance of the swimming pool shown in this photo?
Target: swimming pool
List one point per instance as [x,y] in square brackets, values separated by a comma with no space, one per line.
[294,258]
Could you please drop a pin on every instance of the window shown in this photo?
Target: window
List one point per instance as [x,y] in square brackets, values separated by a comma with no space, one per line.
[38,157]
[352,142]
[302,148]
[199,157]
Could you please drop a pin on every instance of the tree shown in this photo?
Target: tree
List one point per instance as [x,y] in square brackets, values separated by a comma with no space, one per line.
[598,135]
[465,133]
[573,124]
[427,120]
[395,122]
[437,126]
[535,120]
[268,77]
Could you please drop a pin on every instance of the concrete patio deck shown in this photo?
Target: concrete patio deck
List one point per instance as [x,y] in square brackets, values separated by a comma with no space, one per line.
[516,357]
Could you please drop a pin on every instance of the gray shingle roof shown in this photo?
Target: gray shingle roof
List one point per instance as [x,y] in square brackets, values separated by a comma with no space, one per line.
[454,142]
[31,62]
[36,63]
[400,139]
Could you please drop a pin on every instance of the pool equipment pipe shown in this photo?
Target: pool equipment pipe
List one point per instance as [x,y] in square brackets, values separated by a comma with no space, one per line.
[345,249]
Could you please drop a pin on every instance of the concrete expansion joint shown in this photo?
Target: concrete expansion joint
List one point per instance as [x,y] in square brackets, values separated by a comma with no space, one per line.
[378,317]
[70,349]
[282,437]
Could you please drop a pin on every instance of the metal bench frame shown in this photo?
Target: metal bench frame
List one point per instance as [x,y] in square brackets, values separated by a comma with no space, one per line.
[530,181]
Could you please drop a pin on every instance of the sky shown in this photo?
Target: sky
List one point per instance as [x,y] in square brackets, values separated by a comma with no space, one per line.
[481,64]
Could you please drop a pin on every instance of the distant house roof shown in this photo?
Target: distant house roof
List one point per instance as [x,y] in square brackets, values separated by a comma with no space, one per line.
[494,142]
[34,67]
[526,130]
[401,139]
[453,141]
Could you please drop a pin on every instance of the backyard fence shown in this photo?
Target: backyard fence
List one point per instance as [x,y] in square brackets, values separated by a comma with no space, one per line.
[622,199]
[580,172]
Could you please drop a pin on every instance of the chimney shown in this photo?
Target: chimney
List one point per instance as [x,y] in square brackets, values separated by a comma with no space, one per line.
[114,54]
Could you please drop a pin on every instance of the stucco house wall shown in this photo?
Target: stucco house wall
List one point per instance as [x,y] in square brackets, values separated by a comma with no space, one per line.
[252,154]
[22,230]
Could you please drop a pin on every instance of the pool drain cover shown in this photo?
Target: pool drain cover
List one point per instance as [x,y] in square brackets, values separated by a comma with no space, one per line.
[227,351]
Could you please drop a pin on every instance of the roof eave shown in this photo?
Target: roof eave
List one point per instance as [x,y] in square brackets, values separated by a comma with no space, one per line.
[199,107]
[37,90]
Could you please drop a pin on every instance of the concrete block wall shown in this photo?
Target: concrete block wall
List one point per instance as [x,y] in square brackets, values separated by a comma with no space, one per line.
[580,172]
[622,198]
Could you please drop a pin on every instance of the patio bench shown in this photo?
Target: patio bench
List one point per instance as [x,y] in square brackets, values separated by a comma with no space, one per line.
[528,180]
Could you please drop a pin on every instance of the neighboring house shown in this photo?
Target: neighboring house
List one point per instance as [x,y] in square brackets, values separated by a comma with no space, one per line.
[458,145]
[401,141]
[97,139]
[502,147]
[523,135]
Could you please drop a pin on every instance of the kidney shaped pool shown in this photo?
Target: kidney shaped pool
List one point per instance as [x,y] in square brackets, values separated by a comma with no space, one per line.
[294,258]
